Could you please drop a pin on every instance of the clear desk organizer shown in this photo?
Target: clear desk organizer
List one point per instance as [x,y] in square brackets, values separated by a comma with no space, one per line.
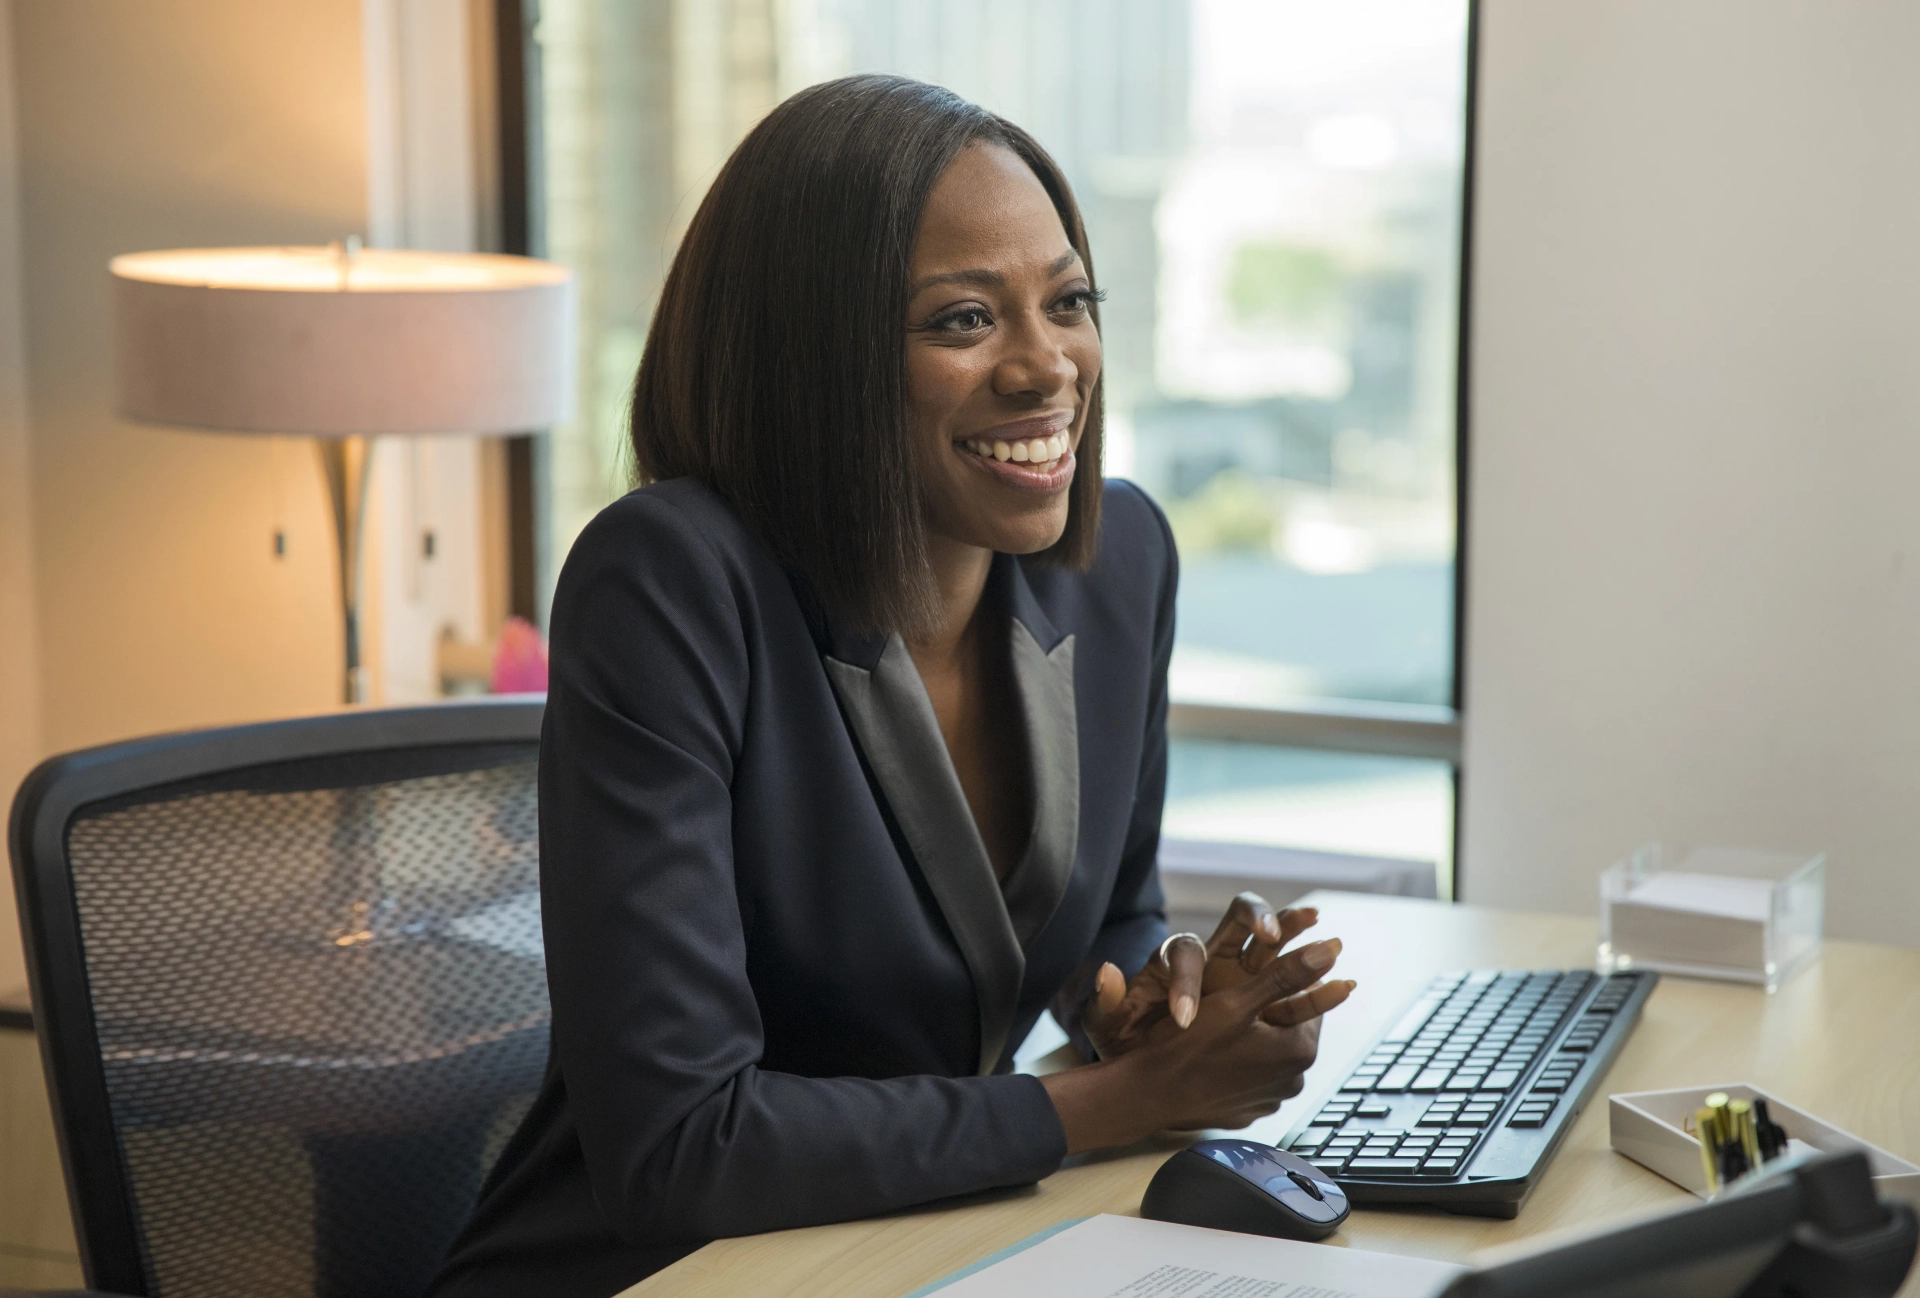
[1712,912]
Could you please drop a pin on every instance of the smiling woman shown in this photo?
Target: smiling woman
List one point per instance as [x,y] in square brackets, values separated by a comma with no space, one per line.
[855,742]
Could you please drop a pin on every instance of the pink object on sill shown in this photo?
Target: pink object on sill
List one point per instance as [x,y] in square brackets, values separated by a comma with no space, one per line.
[520,661]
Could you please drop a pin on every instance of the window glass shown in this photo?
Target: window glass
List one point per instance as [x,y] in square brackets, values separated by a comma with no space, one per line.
[1272,190]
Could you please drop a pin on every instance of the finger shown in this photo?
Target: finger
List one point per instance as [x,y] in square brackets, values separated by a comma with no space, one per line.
[1293,972]
[1186,959]
[1310,1004]
[1248,919]
[1101,1018]
[1292,923]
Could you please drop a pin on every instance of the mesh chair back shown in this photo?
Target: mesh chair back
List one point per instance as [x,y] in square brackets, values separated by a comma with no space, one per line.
[291,992]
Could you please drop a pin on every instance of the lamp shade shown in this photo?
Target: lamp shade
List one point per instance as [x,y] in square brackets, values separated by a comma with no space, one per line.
[336,343]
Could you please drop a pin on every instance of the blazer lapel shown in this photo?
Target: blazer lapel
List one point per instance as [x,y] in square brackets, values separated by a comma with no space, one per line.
[887,706]
[1044,682]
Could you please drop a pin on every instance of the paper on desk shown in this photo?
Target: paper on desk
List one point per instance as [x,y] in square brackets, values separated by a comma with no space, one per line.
[1706,894]
[1132,1257]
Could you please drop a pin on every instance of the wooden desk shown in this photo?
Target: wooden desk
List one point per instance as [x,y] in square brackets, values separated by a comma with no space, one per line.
[1842,1040]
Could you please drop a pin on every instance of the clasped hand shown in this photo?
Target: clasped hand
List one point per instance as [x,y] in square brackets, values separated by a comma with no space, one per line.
[1212,1034]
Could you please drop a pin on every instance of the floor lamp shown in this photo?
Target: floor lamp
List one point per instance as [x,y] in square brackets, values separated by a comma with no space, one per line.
[343,344]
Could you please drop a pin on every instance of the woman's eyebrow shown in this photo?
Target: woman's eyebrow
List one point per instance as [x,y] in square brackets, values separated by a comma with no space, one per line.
[990,278]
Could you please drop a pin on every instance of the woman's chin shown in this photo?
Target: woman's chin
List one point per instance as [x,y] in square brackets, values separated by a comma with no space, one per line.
[1027,533]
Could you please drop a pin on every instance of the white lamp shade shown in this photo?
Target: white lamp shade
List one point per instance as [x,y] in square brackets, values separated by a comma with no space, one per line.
[316,341]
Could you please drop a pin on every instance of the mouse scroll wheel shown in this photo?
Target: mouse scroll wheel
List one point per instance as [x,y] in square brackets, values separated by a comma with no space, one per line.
[1306,1183]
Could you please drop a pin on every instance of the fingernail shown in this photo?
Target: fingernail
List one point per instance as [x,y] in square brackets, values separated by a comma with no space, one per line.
[1184,1009]
[1319,956]
[1270,925]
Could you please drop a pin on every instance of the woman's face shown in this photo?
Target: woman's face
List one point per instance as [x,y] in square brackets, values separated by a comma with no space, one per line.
[1002,354]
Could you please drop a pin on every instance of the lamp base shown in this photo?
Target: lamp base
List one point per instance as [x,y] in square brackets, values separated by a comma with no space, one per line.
[347,463]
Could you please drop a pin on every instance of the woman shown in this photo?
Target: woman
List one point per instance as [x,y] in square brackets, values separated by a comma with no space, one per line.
[856,739]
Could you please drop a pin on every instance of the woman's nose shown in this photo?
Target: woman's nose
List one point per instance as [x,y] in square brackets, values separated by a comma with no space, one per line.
[1034,364]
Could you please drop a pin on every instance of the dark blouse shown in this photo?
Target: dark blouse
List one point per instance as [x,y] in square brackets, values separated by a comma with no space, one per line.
[786,984]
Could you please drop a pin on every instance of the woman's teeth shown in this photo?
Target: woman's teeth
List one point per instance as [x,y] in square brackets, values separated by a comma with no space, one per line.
[1034,450]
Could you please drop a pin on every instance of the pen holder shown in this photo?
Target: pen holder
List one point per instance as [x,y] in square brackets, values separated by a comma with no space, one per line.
[1712,912]
[1654,1129]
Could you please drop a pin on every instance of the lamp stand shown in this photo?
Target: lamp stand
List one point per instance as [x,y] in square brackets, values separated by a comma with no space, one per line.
[347,462]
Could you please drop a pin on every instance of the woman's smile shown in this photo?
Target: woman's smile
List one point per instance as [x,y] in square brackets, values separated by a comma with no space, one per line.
[1033,455]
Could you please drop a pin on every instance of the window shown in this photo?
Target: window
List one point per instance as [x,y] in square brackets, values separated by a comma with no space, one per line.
[1273,193]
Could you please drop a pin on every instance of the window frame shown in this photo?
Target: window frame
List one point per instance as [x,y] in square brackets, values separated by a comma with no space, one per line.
[1338,725]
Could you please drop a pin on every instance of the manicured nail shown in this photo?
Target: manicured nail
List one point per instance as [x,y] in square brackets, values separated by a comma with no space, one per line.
[1319,956]
[1184,1009]
[1270,925]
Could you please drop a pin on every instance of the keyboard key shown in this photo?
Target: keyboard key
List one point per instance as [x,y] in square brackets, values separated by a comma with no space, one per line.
[1430,1080]
[1397,1078]
[1469,1080]
[1412,1021]
[1440,1164]
[1471,1120]
[1309,1140]
[1328,1119]
[1359,1083]
[1328,1164]
[1499,1080]
[1549,1086]
[1383,1166]
[1527,1120]
[1374,1109]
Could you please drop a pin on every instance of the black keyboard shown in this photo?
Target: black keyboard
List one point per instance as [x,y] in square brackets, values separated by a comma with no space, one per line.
[1462,1102]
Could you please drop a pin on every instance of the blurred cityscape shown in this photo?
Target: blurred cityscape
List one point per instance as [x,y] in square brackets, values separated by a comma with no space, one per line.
[1272,191]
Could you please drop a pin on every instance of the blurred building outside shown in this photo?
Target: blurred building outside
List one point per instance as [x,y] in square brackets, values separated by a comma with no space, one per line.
[1272,192]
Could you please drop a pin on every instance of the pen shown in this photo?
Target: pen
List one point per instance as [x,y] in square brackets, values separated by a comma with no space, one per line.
[1772,1137]
[1703,1121]
[1745,1130]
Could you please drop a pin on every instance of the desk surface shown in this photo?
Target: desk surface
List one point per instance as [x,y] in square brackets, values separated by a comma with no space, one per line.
[1842,1040]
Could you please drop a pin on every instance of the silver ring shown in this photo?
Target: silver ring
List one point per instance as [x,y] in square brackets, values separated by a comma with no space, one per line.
[1175,937]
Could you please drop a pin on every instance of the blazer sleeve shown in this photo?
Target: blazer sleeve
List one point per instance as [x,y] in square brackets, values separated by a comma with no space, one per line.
[656,1028]
[1136,920]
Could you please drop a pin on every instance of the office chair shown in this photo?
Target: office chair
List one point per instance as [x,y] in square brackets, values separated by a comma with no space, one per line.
[290,992]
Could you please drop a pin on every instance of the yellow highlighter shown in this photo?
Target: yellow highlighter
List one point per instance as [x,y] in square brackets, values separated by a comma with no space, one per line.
[1703,1122]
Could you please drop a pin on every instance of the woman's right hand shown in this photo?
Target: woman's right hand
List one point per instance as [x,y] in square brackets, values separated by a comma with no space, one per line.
[1244,1053]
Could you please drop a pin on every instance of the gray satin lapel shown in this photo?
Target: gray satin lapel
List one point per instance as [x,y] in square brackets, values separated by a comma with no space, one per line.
[1044,683]
[893,719]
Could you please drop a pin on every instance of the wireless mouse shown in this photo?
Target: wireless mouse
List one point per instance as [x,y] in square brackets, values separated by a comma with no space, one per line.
[1246,1186]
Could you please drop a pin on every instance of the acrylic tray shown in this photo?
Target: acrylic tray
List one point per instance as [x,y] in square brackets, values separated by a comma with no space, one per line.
[1712,912]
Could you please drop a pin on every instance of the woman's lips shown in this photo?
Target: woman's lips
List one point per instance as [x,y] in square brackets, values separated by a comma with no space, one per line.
[1044,478]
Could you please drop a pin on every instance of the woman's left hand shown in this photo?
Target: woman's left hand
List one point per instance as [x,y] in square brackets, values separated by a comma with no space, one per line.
[1163,997]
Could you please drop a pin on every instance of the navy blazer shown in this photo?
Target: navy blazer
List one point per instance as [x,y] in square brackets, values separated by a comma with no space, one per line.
[786,985]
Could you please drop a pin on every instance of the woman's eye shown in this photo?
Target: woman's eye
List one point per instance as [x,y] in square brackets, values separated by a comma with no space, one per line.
[1074,304]
[965,321]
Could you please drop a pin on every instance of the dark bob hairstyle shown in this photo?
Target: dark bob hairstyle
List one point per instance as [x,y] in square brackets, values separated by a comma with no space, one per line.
[775,369]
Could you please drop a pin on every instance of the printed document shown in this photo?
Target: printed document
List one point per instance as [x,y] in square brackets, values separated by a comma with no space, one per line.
[1132,1257]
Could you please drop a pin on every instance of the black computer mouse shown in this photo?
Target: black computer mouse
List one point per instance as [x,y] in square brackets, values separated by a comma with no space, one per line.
[1246,1186]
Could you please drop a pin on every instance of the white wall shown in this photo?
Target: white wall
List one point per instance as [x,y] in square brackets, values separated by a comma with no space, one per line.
[1693,567]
